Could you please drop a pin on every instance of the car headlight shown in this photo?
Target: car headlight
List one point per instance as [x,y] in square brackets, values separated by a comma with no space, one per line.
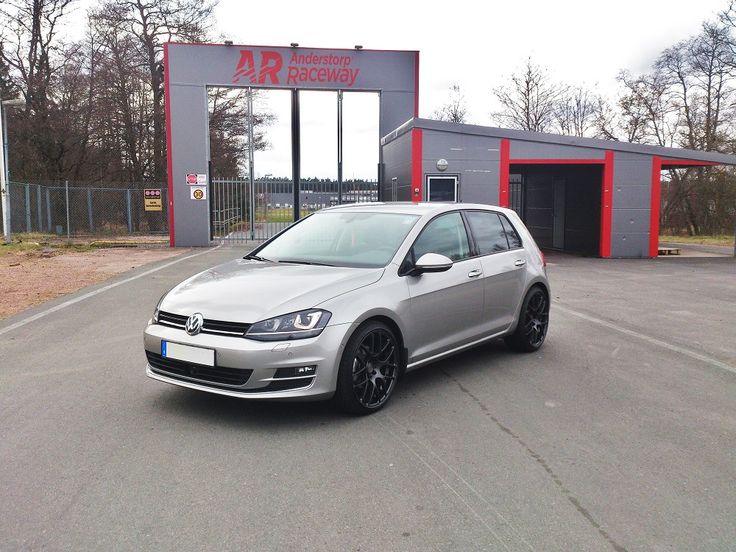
[155,311]
[295,325]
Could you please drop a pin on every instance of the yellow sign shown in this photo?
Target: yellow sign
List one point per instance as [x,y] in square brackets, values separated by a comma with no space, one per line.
[152,200]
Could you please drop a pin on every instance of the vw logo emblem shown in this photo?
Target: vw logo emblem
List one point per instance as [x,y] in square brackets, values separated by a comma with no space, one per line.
[194,324]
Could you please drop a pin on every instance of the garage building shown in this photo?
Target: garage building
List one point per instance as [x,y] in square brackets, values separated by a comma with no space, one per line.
[579,195]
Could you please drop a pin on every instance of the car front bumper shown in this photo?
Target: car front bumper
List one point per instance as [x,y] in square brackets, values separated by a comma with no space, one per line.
[261,358]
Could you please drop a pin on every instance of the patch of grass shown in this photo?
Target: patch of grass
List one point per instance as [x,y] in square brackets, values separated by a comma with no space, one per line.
[280,215]
[43,243]
[722,239]
[17,247]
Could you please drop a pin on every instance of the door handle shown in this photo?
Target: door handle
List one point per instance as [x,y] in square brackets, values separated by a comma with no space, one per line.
[520,262]
[475,273]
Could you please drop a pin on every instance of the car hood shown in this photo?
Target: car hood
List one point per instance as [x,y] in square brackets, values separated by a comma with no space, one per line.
[248,290]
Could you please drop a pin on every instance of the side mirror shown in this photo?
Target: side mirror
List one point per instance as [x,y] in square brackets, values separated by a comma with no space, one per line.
[431,262]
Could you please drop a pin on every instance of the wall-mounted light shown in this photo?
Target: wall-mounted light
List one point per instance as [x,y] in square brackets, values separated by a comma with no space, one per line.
[228,43]
[294,44]
[358,46]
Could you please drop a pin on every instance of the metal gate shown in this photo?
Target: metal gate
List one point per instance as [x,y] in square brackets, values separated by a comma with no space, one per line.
[270,206]
[252,207]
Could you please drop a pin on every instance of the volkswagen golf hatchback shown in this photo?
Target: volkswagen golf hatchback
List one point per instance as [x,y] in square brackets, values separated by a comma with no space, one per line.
[342,303]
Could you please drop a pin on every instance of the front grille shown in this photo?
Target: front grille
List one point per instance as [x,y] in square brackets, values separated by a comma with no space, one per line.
[218,376]
[216,327]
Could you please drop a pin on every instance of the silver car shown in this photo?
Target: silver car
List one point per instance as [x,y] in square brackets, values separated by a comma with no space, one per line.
[345,301]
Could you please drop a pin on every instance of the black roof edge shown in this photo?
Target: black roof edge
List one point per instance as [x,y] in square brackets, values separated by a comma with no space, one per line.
[560,140]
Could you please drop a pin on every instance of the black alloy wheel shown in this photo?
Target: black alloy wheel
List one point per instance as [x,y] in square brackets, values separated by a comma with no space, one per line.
[533,322]
[369,369]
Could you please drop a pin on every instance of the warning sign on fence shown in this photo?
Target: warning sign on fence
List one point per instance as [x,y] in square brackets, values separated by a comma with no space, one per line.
[152,200]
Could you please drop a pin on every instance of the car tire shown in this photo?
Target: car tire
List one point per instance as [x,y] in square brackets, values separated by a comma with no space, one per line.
[369,369]
[531,330]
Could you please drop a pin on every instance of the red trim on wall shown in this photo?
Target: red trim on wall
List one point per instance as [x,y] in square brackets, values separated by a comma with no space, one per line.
[503,173]
[557,161]
[606,206]
[416,86]
[169,164]
[685,162]
[654,206]
[416,165]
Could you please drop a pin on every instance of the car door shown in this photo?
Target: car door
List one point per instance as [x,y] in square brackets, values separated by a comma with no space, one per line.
[503,261]
[445,307]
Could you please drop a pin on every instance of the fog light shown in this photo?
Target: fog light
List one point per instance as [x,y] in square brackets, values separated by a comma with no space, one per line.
[295,372]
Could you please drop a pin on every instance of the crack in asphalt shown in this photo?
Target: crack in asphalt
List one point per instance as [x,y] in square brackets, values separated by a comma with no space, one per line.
[447,484]
[542,462]
[512,529]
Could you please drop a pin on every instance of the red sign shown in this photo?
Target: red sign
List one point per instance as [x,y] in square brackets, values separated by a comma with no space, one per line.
[191,179]
[302,68]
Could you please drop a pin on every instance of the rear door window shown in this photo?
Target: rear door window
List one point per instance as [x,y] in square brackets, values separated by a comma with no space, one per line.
[488,232]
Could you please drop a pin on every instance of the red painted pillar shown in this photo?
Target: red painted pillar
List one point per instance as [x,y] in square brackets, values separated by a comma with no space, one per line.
[606,206]
[654,206]
[416,165]
[503,174]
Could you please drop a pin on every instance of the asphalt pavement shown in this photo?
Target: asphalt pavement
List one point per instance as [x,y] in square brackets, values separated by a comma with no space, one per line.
[619,434]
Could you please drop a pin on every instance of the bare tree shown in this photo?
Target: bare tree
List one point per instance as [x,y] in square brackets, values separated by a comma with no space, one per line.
[151,23]
[529,102]
[574,113]
[229,130]
[455,109]
[35,57]
[648,114]
[8,88]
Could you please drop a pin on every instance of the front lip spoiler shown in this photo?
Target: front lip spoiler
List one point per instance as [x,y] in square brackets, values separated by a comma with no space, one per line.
[293,394]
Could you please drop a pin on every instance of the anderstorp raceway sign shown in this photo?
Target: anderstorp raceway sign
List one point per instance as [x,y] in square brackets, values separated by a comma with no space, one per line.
[269,68]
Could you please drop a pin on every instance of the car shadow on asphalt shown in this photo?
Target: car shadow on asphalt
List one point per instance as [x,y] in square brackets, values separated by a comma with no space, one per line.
[421,385]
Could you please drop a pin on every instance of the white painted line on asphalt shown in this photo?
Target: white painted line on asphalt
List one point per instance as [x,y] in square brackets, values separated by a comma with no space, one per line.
[649,339]
[103,289]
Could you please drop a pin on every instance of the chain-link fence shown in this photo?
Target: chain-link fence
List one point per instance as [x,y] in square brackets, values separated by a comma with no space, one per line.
[74,209]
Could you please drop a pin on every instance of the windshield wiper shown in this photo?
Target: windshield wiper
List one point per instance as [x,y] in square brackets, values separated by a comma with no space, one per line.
[252,257]
[291,261]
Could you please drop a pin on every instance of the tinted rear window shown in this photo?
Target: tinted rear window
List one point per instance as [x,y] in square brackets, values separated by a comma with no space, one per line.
[489,233]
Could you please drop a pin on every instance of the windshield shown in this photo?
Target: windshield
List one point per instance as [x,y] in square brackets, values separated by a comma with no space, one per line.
[341,238]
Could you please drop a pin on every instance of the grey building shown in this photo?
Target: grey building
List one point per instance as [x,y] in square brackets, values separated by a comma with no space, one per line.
[582,195]
[592,197]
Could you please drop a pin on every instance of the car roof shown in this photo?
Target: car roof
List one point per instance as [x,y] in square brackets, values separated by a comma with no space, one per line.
[410,208]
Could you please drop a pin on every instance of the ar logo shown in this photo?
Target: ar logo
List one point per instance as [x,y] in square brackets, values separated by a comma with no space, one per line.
[270,64]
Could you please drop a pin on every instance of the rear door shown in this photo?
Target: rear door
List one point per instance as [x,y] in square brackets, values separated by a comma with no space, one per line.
[446,307]
[503,261]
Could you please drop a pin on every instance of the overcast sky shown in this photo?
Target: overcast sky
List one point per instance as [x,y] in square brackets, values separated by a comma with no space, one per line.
[474,44]
[479,44]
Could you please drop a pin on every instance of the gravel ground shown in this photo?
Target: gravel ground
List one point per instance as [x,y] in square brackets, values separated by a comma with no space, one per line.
[31,277]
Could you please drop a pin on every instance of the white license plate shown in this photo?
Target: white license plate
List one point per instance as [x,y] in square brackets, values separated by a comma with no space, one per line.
[187,353]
